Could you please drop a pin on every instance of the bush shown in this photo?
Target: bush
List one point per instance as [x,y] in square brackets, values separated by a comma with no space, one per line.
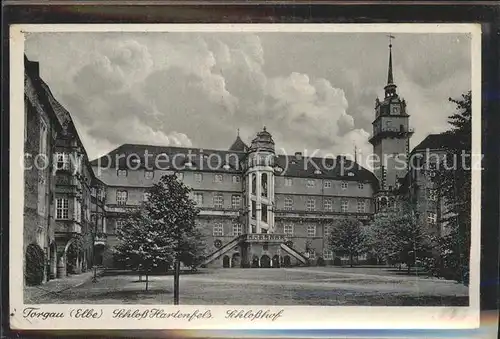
[35,261]
[321,262]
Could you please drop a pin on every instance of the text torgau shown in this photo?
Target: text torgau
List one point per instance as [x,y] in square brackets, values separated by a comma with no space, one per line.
[34,312]
[159,313]
[253,315]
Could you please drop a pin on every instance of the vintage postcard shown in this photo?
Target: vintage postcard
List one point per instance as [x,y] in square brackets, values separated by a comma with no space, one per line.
[245,176]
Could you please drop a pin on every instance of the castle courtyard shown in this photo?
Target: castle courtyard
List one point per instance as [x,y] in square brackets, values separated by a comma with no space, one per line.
[321,286]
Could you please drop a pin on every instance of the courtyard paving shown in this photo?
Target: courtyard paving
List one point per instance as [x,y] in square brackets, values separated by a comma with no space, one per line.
[283,286]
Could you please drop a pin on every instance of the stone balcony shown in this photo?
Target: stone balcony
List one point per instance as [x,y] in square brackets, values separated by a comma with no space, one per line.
[265,237]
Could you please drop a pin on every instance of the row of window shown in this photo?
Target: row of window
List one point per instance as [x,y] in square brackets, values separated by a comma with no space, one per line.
[326,184]
[327,205]
[218,178]
[218,202]
[198,177]
[218,230]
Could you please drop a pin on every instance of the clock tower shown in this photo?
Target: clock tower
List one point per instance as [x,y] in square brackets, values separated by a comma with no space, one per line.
[391,134]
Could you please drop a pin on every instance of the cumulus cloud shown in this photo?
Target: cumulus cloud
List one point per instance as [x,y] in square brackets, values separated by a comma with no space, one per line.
[194,89]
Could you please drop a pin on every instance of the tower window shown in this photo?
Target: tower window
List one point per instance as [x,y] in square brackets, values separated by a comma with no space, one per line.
[328,184]
[236,179]
[198,177]
[288,182]
[218,178]
[288,230]
[288,203]
[254,210]
[254,183]
[361,185]
[344,185]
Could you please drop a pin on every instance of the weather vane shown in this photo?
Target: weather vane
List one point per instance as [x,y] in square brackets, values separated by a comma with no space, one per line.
[390,39]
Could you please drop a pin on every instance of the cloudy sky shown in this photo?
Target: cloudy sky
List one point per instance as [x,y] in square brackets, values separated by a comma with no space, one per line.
[311,90]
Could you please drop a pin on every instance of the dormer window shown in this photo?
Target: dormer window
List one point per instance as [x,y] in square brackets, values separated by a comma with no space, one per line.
[350,174]
[317,171]
[226,167]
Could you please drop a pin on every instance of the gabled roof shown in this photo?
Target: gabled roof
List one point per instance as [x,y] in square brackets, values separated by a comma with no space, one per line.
[238,145]
[440,141]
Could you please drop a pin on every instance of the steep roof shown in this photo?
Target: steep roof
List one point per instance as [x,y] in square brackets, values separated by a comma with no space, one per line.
[238,145]
[436,141]
[210,160]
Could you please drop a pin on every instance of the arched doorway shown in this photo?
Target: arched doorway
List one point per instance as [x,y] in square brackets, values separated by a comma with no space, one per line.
[276,261]
[265,261]
[35,261]
[287,261]
[255,261]
[236,260]
[225,261]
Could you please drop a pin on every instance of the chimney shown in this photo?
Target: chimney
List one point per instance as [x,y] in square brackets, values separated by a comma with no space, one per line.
[298,155]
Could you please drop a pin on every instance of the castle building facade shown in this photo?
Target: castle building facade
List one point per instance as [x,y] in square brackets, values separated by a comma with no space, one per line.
[257,208]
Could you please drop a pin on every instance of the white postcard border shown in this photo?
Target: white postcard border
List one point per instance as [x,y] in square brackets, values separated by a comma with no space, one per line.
[292,317]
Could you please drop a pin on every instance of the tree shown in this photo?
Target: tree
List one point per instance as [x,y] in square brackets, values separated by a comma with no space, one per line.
[397,234]
[162,231]
[454,181]
[346,238]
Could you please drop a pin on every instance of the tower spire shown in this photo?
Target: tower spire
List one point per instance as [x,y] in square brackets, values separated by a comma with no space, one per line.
[390,77]
[390,88]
